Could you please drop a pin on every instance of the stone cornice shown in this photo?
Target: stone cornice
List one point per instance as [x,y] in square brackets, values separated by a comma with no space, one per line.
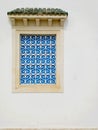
[42,17]
[25,20]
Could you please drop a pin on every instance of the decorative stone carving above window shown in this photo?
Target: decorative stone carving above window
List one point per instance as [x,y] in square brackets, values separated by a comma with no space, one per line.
[38,49]
[37,17]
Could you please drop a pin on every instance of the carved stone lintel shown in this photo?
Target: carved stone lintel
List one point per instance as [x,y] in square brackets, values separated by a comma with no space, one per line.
[13,21]
[49,22]
[25,21]
[37,22]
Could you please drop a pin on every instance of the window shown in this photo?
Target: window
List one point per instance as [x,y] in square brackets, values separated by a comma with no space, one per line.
[37,59]
[37,52]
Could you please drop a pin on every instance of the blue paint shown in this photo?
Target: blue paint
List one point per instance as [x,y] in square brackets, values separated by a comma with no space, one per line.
[37,59]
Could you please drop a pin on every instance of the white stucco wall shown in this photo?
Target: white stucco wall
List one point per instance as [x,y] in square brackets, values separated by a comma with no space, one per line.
[78,105]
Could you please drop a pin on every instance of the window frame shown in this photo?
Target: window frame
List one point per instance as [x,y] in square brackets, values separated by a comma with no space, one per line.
[58,87]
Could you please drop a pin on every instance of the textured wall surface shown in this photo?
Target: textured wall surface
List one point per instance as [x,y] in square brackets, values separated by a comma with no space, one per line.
[78,105]
[49,129]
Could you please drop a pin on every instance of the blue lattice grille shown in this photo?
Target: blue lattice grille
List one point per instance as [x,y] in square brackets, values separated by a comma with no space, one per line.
[37,59]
